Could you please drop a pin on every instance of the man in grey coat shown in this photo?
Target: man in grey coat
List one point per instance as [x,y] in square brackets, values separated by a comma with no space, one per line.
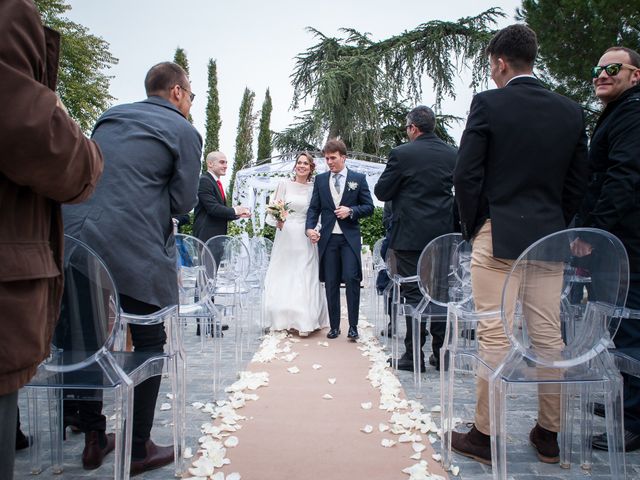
[152,162]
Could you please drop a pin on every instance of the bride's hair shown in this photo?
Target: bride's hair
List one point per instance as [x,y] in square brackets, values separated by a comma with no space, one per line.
[312,165]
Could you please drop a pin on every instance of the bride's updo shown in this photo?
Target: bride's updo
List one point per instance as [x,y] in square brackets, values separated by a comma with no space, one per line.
[312,165]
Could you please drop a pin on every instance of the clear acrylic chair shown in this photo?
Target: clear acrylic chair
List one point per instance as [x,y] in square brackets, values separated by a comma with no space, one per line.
[234,264]
[569,362]
[378,309]
[260,253]
[87,358]
[443,277]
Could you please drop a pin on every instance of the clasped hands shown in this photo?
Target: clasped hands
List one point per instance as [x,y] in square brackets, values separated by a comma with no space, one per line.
[580,248]
[242,212]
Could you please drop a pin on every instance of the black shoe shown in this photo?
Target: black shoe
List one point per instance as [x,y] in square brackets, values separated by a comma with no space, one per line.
[333,333]
[22,441]
[631,441]
[353,333]
[386,332]
[598,409]
[432,360]
[225,326]
[407,365]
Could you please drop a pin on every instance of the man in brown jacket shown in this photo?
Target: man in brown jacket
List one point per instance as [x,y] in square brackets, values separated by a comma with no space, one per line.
[45,160]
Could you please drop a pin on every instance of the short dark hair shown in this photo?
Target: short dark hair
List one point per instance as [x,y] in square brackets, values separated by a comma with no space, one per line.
[164,76]
[517,44]
[334,145]
[634,57]
[423,118]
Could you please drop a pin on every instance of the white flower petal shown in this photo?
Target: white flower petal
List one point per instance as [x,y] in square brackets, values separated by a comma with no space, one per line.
[197,405]
[432,439]
[165,406]
[436,409]
[367,429]
[327,396]
[416,456]
[383,427]
[323,344]
[316,366]
[418,447]
[234,476]
[231,442]
[387,443]
[293,370]
[437,457]
[332,381]
[188,453]
[170,396]
[455,470]
[218,476]
[366,405]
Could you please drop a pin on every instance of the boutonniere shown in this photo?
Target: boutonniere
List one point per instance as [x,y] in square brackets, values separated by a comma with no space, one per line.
[352,185]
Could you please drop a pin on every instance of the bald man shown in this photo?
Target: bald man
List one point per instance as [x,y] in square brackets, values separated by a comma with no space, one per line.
[211,213]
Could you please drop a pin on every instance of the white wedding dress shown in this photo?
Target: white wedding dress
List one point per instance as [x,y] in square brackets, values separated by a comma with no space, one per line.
[293,297]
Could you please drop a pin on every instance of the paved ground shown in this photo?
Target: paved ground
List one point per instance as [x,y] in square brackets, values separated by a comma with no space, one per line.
[523,464]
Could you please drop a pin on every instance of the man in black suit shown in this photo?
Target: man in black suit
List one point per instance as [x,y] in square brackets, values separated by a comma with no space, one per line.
[418,180]
[339,200]
[211,213]
[520,175]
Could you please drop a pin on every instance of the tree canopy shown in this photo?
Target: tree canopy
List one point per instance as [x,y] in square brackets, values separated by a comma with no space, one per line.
[264,134]
[213,121]
[244,137]
[357,85]
[83,84]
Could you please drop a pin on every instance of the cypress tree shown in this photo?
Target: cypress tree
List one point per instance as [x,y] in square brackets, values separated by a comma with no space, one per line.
[244,138]
[213,121]
[180,57]
[264,135]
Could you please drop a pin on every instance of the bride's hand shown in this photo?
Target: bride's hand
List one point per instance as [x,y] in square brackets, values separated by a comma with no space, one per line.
[279,224]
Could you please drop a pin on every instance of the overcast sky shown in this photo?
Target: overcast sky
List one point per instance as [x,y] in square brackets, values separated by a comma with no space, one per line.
[254,43]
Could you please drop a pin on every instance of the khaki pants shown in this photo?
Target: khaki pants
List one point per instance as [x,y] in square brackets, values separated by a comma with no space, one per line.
[541,307]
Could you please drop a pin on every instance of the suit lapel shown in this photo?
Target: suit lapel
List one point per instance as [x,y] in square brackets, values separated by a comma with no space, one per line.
[329,193]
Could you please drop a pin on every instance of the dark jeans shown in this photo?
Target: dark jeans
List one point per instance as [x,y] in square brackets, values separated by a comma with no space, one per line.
[407,267]
[146,338]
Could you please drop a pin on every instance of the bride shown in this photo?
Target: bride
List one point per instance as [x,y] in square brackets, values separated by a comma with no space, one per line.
[293,298]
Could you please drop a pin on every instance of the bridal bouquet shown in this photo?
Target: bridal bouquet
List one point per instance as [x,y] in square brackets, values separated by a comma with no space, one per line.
[279,210]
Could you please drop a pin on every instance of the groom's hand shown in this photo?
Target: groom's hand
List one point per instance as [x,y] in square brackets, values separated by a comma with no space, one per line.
[342,212]
[313,235]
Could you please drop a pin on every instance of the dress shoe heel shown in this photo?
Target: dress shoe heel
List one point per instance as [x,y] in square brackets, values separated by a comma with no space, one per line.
[96,446]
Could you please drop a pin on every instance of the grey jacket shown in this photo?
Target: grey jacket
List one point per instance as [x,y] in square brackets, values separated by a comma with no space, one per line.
[152,163]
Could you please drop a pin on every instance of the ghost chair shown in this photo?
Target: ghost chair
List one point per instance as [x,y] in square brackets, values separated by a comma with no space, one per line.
[443,277]
[568,372]
[88,357]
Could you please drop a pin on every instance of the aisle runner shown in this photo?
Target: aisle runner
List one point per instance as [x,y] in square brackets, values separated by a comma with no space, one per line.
[307,409]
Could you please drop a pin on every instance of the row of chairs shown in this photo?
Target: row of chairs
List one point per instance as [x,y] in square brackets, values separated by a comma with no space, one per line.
[89,356]
[587,294]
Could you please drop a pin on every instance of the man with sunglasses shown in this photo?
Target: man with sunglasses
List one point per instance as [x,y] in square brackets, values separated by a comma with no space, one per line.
[520,175]
[612,202]
[152,163]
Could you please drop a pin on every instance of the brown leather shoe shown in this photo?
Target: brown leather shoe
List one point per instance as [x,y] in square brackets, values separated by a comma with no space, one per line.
[473,444]
[156,457]
[546,444]
[96,446]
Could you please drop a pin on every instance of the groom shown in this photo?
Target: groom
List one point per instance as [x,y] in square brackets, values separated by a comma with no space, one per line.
[340,198]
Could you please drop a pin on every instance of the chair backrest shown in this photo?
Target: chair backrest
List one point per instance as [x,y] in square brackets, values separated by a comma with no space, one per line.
[444,273]
[575,281]
[231,256]
[378,261]
[89,319]
[260,250]
[196,269]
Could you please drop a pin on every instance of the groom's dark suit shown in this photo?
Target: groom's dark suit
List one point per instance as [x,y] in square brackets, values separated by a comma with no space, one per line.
[340,253]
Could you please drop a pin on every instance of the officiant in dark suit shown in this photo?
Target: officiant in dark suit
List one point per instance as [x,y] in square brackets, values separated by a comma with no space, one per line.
[520,175]
[212,213]
[418,180]
[340,198]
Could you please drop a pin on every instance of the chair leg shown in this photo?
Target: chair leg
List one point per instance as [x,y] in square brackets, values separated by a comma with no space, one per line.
[35,451]
[498,414]
[417,354]
[177,375]
[123,400]
[446,404]
[615,428]
[56,426]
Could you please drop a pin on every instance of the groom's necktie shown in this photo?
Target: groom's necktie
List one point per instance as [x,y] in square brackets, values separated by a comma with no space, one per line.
[336,181]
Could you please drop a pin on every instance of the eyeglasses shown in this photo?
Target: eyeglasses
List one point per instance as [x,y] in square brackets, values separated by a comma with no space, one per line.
[191,94]
[409,126]
[612,69]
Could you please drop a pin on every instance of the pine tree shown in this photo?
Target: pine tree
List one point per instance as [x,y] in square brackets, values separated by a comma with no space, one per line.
[213,121]
[264,136]
[244,138]
[354,82]
[180,57]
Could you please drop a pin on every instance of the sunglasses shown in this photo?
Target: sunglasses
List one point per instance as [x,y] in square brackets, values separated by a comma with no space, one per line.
[612,69]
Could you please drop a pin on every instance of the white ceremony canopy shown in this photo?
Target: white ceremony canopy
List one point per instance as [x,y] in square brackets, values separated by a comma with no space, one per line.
[255,184]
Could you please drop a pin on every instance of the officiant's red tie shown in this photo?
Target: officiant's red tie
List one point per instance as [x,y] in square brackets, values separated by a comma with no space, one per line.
[221,189]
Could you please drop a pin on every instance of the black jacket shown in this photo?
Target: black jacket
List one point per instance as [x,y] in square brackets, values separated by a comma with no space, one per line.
[418,180]
[612,202]
[211,213]
[523,163]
